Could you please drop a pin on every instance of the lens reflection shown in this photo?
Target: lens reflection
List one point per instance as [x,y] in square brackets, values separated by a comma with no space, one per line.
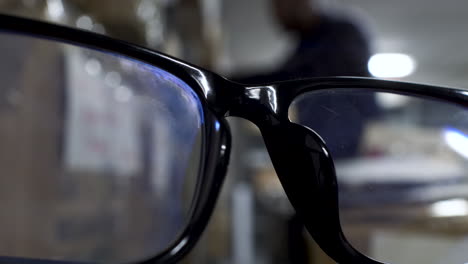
[100,154]
[401,166]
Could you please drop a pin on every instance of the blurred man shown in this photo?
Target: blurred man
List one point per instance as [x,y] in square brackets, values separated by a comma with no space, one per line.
[329,44]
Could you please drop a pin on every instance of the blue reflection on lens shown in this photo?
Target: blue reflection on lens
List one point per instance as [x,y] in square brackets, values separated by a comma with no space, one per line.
[456,140]
[187,90]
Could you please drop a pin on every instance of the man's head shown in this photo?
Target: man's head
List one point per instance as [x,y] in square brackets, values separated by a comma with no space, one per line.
[295,15]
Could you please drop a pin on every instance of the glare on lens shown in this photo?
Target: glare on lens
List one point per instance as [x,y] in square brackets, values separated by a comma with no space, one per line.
[457,141]
[123,94]
[93,67]
[113,79]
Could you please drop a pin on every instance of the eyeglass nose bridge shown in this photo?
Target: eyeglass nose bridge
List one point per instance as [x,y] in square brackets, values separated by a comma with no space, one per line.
[258,104]
[307,173]
[297,152]
[303,164]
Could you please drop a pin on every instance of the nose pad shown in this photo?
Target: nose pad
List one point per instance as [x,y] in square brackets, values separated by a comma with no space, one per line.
[306,170]
[300,155]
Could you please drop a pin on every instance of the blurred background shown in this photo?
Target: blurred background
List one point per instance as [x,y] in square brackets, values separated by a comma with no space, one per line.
[266,40]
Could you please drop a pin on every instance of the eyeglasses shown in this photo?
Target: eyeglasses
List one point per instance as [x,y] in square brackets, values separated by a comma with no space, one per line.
[115,153]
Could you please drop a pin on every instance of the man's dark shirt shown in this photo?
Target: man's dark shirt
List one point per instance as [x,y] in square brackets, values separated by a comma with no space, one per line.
[335,47]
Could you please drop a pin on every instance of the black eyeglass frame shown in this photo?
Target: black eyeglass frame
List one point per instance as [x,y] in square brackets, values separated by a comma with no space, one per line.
[299,155]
